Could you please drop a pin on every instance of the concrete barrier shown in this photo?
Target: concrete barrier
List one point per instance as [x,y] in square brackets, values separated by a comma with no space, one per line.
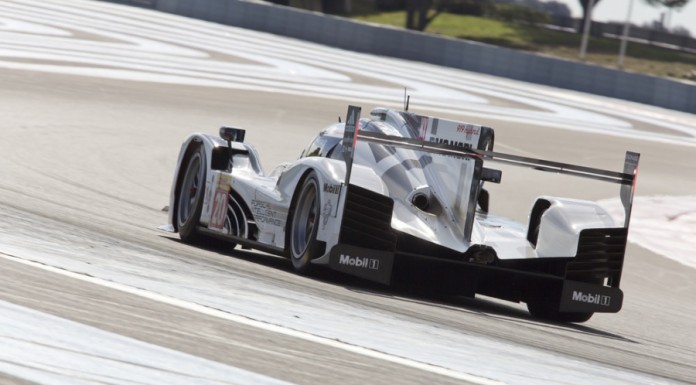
[471,56]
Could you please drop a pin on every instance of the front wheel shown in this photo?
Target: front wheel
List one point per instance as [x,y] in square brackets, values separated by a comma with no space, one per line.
[304,225]
[190,196]
[549,312]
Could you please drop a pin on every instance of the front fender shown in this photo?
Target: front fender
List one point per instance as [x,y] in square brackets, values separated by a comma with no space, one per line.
[216,158]
[209,143]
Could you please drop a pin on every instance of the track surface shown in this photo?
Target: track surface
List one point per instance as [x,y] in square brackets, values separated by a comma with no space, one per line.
[86,166]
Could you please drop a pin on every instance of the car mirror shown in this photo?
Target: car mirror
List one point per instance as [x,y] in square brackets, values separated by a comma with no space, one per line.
[491,175]
[232,134]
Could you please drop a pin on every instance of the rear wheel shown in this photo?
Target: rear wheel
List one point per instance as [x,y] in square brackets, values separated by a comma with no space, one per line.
[190,197]
[550,312]
[304,225]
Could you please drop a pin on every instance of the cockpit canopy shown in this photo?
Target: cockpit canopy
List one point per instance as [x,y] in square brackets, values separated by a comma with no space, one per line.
[327,144]
[406,125]
[444,186]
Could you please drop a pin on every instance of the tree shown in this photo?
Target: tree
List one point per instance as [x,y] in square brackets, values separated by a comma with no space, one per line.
[681,31]
[585,4]
[418,13]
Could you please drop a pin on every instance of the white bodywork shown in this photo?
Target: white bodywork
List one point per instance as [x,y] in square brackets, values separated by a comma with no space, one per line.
[267,197]
[562,222]
[400,200]
[401,174]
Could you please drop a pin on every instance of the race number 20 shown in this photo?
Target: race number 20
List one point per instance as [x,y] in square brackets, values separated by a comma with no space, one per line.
[217,219]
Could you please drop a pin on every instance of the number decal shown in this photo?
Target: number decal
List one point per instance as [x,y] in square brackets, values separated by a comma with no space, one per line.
[219,210]
[217,220]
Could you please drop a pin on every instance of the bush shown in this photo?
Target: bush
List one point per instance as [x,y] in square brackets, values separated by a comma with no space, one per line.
[466,7]
[518,14]
[460,7]
[390,5]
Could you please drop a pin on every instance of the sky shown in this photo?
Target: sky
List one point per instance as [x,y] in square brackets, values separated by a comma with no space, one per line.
[617,10]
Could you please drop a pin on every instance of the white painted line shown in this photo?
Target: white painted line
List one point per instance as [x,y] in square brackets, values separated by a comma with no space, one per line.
[257,324]
[142,45]
[240,296]
[665,225]
[50,350]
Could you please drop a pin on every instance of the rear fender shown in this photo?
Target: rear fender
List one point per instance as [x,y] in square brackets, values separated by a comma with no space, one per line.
[331,176]
[561,223]
[333,193]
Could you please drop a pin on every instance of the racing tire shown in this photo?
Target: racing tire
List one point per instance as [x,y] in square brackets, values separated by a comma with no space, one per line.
[549,312]
[189,200]
[304,225]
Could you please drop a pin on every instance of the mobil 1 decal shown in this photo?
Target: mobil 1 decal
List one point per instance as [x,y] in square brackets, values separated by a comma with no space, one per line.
[375,265]
[588,297]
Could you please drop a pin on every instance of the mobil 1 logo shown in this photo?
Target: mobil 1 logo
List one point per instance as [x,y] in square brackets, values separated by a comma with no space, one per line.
[588,297]
[375,265]
[596,299]
[359,262]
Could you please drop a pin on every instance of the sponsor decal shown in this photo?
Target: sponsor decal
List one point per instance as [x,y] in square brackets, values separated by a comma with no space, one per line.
[332,188]
[264,213]
[350,131]
[350,134]
[375,265]
[595,299]
[435,139]
[423,129]
[581,296]
[326,213]
[469,130]
[362,262]
[436,123]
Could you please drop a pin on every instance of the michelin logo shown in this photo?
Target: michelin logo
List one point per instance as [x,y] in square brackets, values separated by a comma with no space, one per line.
[596,299]
[365,263]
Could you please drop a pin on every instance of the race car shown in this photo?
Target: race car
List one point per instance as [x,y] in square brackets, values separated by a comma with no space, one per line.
[399,198]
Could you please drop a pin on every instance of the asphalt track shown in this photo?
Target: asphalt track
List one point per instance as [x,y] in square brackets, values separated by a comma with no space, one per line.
[84,174]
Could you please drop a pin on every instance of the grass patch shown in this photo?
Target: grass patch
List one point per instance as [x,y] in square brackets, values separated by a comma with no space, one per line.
[601,51]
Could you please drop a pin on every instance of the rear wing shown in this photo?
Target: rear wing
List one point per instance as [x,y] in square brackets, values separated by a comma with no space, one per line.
[627,178]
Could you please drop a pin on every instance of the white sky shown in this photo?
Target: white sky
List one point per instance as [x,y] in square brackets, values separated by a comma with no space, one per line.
[616,10]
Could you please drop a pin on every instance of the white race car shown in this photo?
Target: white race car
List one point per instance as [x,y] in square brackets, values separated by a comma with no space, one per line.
[400,198]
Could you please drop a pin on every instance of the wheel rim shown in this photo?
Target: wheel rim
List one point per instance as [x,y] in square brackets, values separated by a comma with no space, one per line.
[190,189]
[305,219]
